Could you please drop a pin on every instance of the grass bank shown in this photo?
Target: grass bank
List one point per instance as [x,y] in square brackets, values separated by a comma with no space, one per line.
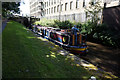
[26,56]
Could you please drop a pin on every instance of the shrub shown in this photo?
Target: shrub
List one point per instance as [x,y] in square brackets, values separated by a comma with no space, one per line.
[64,24]
[55,23]
[45,22]
[107,36]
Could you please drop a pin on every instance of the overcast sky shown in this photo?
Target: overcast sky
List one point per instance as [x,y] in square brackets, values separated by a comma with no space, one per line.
[24,7]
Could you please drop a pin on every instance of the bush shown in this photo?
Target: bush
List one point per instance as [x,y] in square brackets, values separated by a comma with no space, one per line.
[107,36]
[45,22]
[64,24]
[84,27]
[55,23]
[100,33]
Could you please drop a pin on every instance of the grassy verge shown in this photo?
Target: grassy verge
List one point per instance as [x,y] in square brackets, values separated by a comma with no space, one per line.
[26,56]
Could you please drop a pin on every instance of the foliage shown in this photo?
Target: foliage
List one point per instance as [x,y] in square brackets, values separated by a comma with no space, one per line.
[107,36]
[78,24]
[64,24]
[92,12]
[9,8]
[93,17]
[55,23]
[45,22]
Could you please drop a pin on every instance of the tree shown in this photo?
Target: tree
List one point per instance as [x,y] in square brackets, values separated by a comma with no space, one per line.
[92,12]
[93,17]
[10,8]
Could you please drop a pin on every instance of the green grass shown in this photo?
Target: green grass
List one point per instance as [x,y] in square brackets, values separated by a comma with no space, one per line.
[26,56]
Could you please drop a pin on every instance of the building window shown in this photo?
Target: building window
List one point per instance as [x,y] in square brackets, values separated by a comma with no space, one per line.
[54,9]
[54,1]
[58,8]
[83,3]
[40,13]
[49,2]
[73,16]
[45,4]
[71,5]
[77,4]
[49,10]
[61,9]
[65,6]
[39,7]
[43,13]
[92,3]
[42,5]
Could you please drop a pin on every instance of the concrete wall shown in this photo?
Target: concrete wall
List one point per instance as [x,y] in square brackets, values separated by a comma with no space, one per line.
[111,16]
[78,17]
[73,14]
[52,11]
[35,8]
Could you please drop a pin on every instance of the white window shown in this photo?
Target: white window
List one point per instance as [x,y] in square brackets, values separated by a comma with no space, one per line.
[83,3]
[54,1]
[65,6]
[77,4]
[49,10]
[45,11]
[49,2]
[45,4]
[54,9]
[71,5]
[61,7]
[58,8]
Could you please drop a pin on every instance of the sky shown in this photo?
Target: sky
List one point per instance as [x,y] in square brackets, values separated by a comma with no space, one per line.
[24,7]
